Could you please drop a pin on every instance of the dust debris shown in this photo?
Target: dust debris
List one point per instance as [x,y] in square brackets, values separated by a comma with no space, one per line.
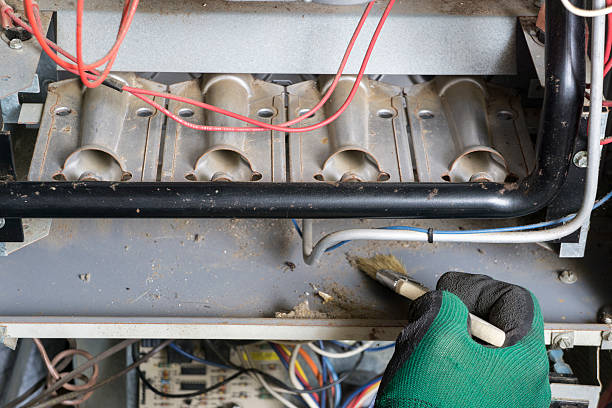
[325,296]
[85,277]
[301,311]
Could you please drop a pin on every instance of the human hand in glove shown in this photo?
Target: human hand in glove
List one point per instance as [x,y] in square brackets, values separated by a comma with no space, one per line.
[437,364]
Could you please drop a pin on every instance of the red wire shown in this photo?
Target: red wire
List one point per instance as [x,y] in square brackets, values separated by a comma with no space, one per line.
[109,58]
[606,141]
[261,125]
[301,378]
[128,13]
[32,12]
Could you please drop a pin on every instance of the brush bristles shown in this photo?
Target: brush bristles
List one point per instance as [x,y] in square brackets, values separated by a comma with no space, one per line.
[378,263]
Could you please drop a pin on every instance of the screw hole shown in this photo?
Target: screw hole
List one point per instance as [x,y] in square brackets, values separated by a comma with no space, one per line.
[265,113]
[58,177]
[62,111]
[319,177]
[191,177]
[426,114]
[305,111]
[385,113]
[144,112]
[505,115]
[127,176]
[384,177]
[256,177]
[185,113]
[446,178]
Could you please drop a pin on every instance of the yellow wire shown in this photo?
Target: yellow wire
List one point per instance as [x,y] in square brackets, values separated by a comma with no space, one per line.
[298,367]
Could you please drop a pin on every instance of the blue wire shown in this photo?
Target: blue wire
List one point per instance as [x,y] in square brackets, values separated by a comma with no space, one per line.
[346,346]
[324,374]
[381,348]
[179,350]
[359,391]
[327,363]
[280,357]
[528,227]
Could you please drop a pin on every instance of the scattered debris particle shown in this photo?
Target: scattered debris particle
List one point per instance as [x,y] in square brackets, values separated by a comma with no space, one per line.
[325,296]
[198,238]
[301,311]
[85,277]
[481,251]
[290,265]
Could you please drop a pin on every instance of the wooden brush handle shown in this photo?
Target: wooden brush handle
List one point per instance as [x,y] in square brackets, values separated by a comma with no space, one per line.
[479,328]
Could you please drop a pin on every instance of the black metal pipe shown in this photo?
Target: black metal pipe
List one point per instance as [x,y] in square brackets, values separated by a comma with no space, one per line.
[564,93]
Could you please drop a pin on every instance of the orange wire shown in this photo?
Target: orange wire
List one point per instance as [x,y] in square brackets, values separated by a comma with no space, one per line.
[312,365]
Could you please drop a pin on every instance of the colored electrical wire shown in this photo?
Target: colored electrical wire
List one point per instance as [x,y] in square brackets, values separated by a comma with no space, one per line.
[129,10]
[334,376]
[353,352]
[324,375]
[318,106]
[298,370]
[262,126]
[341,377]
[371,349]
[308,398]
[366,395]
[528,227]
[184,353]
[33,14]
[41,402]
[358,392]
[264,383]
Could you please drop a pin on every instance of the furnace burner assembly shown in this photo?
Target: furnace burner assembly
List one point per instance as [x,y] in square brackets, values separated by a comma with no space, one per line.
[116,145]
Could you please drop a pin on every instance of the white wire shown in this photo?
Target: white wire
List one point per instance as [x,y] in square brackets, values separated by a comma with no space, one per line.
[308,399]
[313,254]
[366,399]
[584,12]
[345,354]
[265,384]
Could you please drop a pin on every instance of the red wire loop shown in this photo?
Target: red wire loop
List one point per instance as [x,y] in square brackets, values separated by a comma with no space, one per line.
[93,78]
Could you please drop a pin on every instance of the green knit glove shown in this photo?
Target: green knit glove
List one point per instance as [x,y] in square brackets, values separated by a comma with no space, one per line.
[438,365]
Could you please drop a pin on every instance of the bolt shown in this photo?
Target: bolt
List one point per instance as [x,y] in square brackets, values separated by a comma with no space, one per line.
[568,277]
[605,315]
[563,341]
[581,159]
[15,44]
[2,222]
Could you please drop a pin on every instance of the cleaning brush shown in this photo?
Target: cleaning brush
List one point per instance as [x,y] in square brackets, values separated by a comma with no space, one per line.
[389,271]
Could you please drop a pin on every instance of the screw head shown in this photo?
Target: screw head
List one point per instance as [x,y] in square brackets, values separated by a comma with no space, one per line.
[15,44]
[581,159]
[563,341]
[2,222]
[568,277]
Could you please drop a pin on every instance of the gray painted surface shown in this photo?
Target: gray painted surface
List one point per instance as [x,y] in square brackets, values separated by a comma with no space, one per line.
[420,37]
[235,268]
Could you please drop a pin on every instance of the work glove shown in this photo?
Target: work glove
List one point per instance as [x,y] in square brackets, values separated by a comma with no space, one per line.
[437,364]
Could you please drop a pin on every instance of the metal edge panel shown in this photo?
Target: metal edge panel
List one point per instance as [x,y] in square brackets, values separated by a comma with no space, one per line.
[214,328]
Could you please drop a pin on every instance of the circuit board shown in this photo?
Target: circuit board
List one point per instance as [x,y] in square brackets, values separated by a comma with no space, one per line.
[184,377]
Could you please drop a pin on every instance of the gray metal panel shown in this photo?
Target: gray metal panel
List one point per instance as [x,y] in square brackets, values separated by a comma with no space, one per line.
[19,65]
[472,37]
[235,268]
